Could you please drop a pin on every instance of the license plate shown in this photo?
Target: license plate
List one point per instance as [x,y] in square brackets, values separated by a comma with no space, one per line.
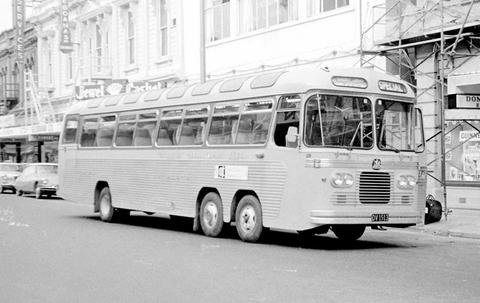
[379,217]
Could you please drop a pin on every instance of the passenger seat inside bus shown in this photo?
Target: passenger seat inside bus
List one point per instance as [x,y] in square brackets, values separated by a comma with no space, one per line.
[244,134]
[186,136]
[163,137]
[104,137]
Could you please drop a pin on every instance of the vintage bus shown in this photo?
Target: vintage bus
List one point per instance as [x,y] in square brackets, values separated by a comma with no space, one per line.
[304,150]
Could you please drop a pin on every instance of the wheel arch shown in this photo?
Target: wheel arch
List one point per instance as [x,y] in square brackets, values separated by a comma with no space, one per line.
[98,188]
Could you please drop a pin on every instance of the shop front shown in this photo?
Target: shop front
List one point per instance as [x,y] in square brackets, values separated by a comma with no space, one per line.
[462,140]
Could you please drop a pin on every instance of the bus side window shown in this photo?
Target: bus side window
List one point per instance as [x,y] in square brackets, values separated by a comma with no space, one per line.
[143,135]
[193,127]
[105,131]
[288,115]
[89,132]
[125,134]
[169,128]
[224,122]
[70,131]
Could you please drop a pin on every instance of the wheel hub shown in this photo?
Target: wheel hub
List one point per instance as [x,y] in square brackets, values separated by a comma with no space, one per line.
[247,218]
[210,214]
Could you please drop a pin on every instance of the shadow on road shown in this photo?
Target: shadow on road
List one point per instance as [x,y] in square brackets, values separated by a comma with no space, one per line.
[320,242]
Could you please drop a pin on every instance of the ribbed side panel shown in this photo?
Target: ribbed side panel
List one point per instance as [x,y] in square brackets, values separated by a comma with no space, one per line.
[375,187]
[173,185]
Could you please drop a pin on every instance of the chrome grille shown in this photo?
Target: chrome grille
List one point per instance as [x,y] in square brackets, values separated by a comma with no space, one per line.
[374,187]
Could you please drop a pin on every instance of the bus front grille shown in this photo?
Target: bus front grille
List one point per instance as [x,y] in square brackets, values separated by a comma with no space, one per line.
[375,187]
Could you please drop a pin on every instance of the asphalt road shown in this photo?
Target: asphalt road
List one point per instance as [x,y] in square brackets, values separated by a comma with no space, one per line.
[58,251]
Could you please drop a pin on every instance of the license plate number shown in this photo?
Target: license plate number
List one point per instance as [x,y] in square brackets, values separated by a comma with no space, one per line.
[380,217]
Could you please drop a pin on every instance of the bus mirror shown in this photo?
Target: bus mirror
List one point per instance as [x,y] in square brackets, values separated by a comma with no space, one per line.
[292,137]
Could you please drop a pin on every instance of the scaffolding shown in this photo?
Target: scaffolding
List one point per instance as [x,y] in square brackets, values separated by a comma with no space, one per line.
[398,31]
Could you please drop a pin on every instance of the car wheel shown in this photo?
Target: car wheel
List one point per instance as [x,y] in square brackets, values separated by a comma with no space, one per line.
[248,219]
[211,215]
[348,232]
[38,192]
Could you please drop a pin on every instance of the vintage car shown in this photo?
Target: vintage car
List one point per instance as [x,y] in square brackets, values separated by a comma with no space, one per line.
[9,172]
[38,178]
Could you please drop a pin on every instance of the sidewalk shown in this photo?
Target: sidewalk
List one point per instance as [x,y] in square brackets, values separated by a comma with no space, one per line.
[463,223]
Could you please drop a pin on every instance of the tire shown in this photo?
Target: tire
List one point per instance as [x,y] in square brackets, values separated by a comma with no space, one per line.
[107,212]
[248,219]
[348,232]
[211,215]
[38,192]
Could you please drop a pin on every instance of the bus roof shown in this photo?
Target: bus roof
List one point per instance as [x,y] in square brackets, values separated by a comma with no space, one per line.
[251,86]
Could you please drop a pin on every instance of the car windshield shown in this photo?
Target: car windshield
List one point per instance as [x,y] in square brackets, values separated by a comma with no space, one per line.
[394,125]
[338,121]
[47,169]
[9,167]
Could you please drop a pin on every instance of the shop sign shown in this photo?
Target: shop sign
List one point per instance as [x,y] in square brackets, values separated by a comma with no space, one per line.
[33,138]
[115,87]
[469,135]
[7,121]
[110,87]
[19,13]
[66,45]
[468,101]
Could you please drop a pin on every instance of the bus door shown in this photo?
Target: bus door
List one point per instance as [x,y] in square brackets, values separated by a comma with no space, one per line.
[68,145]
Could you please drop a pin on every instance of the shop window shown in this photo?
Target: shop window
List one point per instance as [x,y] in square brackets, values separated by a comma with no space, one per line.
[462,145]
[70,130]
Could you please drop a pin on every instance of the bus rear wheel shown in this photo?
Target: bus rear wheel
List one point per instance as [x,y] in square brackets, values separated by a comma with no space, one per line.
[107,212]
[348,232]
[211,215]
[248,219]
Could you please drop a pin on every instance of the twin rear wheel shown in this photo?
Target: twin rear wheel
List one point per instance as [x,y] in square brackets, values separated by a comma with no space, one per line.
[248,217]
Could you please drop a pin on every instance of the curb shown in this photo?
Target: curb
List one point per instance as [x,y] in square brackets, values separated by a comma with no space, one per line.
[443,233]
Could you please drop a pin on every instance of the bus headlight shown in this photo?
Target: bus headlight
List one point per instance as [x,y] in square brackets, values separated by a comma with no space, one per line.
[406,182]
[341,180]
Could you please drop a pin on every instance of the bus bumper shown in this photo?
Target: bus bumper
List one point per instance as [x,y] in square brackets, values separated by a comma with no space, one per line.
[324,217]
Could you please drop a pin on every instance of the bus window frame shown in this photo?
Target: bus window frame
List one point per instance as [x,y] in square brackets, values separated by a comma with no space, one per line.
[75,141]
[159,123]
[90,116]
[137,114]
[283,110]
[224,103]
[242,111]
[341,94]
[208,115]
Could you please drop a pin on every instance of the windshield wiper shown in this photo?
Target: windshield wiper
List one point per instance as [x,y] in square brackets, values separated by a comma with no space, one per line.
[391,147]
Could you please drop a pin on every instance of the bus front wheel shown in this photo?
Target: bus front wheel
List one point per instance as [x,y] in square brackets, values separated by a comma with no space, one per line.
[348,232]
[248,219]
[211,215]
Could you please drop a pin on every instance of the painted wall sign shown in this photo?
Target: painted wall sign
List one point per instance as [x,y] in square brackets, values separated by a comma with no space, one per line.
[19,19]
[66,45]
[468,101]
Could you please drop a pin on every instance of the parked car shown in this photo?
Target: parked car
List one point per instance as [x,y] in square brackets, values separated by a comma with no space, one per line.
[38,178]
[9,172]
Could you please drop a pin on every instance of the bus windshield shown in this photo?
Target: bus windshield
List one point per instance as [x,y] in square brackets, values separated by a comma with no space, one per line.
[394,125]
[343,121]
